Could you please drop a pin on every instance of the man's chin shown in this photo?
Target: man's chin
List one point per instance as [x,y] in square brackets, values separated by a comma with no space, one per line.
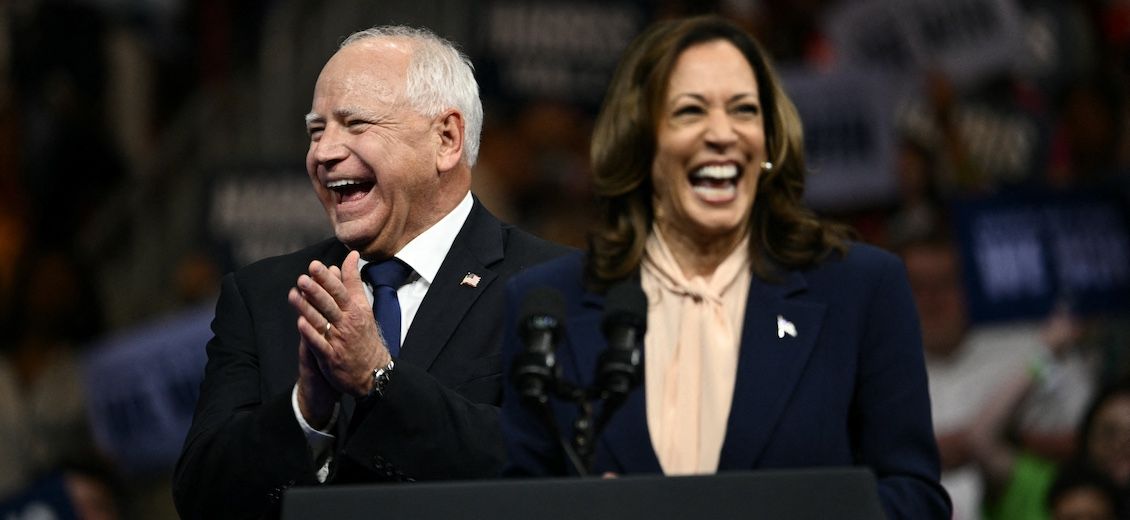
[369,247]
[353,235]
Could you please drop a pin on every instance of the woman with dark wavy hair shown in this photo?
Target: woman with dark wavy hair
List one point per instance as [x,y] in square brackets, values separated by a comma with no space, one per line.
[772,340]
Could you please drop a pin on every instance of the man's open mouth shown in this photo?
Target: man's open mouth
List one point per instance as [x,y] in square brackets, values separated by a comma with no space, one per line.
[349,190]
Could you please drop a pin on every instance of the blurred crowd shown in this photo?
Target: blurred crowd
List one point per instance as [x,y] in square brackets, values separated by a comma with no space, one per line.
[106,109]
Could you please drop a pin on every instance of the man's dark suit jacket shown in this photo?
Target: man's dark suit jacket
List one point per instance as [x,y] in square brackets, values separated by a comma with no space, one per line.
[849,389]
[438,418]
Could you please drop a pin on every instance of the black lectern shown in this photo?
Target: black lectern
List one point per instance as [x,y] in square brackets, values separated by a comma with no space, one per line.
[818,493]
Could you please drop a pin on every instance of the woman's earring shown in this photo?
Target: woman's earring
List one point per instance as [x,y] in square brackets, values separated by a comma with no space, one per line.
[766,166]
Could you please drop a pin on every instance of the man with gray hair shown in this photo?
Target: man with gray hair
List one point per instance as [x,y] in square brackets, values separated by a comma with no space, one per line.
[391,370]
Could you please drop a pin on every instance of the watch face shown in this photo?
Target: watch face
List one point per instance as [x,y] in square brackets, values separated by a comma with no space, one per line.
[380,379]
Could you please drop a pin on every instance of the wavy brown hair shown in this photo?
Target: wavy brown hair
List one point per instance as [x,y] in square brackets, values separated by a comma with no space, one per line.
[784,233]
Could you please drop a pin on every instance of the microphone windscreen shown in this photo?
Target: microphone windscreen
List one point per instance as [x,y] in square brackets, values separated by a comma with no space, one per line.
[626,304]
[542,304]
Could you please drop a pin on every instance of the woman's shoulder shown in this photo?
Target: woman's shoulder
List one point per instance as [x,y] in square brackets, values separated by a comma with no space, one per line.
[861,260]
[861,254]
[563,272]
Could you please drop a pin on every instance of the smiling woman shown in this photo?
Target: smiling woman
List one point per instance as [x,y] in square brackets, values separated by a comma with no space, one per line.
[710,145]
[772,340]
[696,79]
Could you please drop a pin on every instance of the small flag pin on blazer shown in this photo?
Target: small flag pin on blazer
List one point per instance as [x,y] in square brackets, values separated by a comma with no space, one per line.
[785,327]
[471,280]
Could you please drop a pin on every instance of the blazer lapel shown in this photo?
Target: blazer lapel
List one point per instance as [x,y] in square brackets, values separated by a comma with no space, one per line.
[478,245]
[770,363]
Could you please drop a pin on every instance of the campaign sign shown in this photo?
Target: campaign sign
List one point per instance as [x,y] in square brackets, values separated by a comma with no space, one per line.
[258,212]
[967,39]
[1025,252]
[848,138]
[563,50]
[874,35]
[142,386]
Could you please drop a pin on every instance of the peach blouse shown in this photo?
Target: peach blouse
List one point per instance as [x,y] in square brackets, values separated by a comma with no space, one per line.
[693,334]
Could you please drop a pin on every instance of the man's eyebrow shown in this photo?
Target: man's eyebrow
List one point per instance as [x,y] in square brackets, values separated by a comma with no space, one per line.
[347,112]
[340,113]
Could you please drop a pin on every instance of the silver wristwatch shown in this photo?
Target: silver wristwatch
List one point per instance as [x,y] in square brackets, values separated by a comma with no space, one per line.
[380,380]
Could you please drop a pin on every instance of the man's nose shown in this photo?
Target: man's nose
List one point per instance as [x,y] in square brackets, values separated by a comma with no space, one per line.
[330,146]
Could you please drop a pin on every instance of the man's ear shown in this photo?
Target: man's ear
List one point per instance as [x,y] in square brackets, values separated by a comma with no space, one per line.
[449,129]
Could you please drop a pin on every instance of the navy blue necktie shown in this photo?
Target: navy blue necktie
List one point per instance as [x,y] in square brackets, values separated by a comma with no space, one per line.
[386,277]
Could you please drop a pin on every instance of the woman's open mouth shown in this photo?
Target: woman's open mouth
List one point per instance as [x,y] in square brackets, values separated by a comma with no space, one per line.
[716,183]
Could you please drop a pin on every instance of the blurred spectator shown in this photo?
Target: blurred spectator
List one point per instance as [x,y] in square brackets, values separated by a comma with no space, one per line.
[1080,492]
[502,173]
[196,279]
[1084,143]
[81,492]
[1105,436]
[13,435]
[1022,480]
[919,208]
[965,365]
[1017,466]
[93,492]
[962,172]
[69,163]
[55,311]
[533,168]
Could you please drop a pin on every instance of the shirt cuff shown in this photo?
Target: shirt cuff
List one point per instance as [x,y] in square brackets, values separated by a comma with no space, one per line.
[320,442]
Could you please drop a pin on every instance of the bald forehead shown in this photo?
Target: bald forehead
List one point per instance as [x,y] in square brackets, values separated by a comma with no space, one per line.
[384,51]
[371,67]
[401,44]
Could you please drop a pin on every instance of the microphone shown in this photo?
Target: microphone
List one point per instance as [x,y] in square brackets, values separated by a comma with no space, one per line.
[535,369]
[624,325]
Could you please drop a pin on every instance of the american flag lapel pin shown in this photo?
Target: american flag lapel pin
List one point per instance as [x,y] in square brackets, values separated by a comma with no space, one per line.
[471,280]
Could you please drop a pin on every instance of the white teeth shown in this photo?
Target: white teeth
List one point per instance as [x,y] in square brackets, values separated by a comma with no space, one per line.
[710,193]
[343,182]
[717,172]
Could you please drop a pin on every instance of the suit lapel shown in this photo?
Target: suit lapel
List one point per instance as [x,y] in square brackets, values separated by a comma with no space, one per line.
[477,246]
[769,365]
